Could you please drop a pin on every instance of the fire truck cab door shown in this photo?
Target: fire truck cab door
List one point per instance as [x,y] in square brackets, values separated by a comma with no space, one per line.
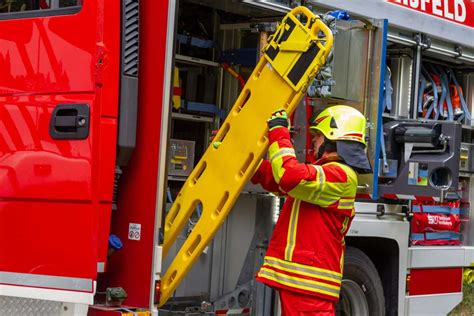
[59,77]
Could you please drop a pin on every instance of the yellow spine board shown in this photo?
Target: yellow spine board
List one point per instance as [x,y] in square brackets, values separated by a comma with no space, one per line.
[279,80]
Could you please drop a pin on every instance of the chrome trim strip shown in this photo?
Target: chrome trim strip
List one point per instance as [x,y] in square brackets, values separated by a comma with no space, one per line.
[47,281]
[272,6]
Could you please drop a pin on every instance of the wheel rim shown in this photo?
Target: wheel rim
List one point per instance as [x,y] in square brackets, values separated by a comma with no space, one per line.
[352,301]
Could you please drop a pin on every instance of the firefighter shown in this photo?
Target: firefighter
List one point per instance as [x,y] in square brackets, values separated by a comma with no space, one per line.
[305,255]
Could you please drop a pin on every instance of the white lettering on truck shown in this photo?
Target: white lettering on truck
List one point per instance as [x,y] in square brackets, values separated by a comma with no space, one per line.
[439,7]
[423,4]
[447,14]
[436,7]
[414,3]
[459,10]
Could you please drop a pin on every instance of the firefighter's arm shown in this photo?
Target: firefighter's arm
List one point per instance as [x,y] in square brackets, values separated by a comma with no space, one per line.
[334,186]
[264,177]
[321,185]
[264,174]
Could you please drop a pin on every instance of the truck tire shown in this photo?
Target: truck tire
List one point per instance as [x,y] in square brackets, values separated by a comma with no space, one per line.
[361,291]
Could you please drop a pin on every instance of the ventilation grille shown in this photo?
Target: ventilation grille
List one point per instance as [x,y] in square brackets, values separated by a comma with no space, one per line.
[118,173]
[130,38]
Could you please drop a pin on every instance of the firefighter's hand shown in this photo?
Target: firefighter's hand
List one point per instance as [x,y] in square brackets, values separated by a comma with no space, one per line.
[278,119]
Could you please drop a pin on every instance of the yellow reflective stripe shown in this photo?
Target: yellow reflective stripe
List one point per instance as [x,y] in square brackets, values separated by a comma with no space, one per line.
[329,192]
[283,153]
[306,189]
[306,267]
[344,225]
[278,174]
[292,228]
[287,266]
[346,203]
[341,262]
[299,283]
[325,194]
[276,164]
[319,182]
[274,148]
[276,160]
[310,190]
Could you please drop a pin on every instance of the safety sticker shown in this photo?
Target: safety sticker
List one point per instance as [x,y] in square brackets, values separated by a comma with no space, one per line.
[134,231]
[418,174]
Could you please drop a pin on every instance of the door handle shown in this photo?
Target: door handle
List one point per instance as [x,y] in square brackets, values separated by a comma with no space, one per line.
[70,121]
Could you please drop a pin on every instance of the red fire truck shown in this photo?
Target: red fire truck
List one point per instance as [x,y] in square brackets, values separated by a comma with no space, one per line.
[107,106]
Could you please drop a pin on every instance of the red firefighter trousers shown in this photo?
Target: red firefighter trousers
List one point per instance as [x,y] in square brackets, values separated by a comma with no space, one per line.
[297,304]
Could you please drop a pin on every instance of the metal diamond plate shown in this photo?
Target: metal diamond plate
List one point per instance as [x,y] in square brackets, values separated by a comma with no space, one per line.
[14,306]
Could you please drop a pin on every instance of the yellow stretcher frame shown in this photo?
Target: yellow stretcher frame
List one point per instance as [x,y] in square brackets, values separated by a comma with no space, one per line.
[291,60]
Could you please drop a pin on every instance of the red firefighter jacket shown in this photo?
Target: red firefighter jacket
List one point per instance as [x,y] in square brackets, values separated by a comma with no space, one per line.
[306,251]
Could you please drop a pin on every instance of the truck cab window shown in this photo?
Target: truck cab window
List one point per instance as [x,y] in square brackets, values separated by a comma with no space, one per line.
[12,6]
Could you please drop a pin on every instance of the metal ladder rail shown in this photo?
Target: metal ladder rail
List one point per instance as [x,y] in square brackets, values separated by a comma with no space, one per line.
[292,58]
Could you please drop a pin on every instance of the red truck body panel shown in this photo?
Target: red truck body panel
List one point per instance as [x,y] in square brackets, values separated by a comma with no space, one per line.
[131,267]
[56,193]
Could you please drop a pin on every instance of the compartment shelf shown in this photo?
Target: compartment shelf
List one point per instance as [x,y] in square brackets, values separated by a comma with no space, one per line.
[192,117]
[195,61]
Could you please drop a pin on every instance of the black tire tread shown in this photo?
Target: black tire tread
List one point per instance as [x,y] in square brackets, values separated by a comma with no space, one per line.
[359,268]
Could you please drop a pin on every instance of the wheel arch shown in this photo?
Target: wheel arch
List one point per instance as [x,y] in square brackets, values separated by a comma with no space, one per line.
[384,254]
